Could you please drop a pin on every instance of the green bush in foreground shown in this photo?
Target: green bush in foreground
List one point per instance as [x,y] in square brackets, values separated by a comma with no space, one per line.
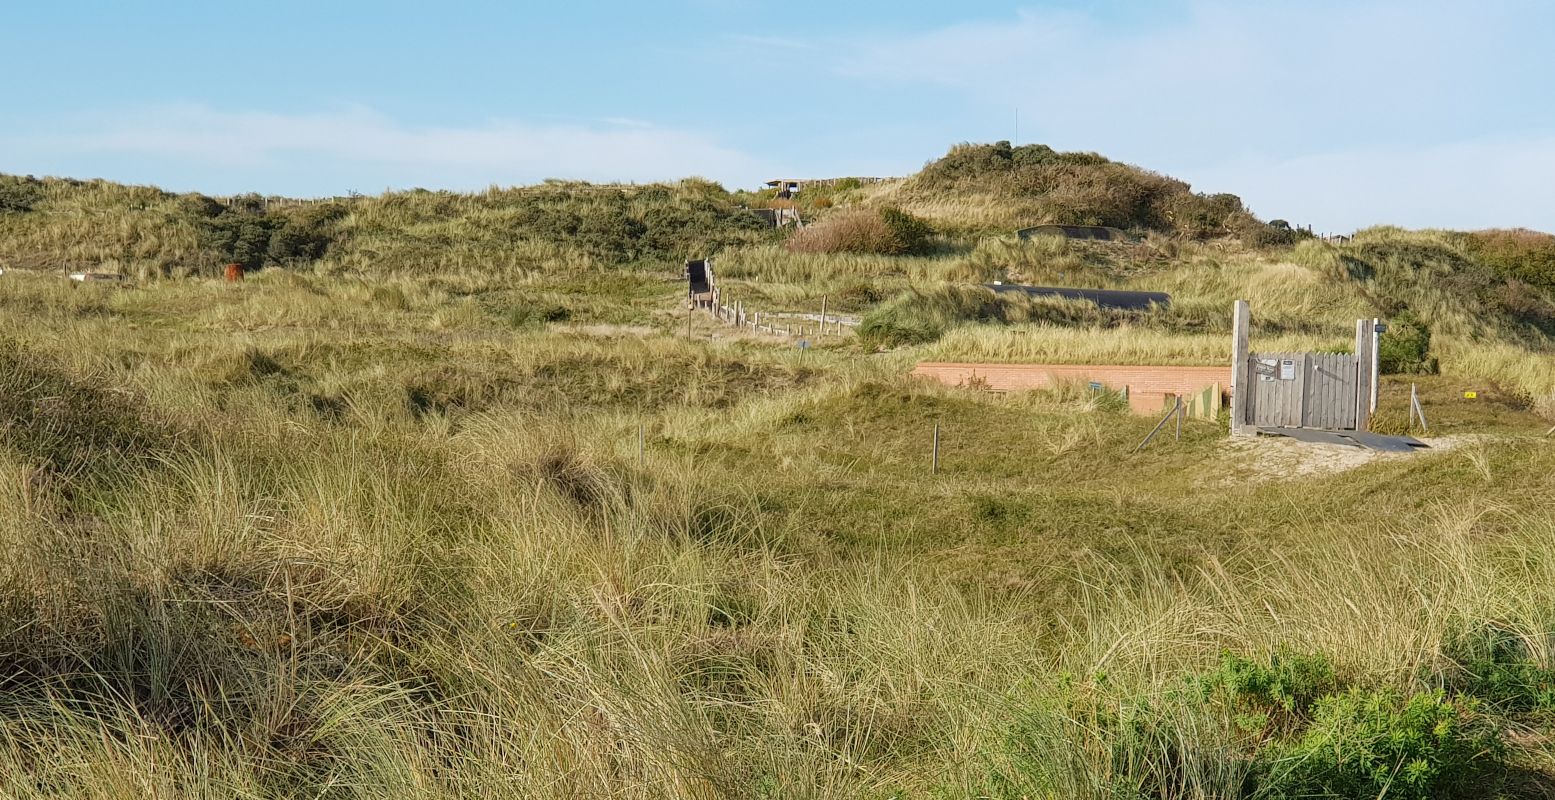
[1368,743]
[1277,728]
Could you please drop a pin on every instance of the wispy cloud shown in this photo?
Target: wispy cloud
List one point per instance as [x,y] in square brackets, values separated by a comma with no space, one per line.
[376,150]
[1214,84]
[1493,183]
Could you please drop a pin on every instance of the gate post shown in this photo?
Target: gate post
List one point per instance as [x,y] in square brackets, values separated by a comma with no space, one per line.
[1365,376]
[1241,320]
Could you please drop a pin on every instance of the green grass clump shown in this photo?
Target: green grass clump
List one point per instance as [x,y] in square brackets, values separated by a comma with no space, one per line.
[70,426]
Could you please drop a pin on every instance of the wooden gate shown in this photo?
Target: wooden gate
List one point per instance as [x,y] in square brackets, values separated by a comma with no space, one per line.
[1303,390]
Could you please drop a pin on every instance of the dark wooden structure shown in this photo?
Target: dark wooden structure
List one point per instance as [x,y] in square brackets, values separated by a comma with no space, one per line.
[699,277]
[786,187]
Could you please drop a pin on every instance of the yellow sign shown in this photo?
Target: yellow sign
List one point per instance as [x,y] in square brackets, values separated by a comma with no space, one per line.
[1470,395]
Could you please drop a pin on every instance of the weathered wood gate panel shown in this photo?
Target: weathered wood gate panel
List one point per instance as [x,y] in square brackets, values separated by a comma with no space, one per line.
[1303,390]
[1330,391]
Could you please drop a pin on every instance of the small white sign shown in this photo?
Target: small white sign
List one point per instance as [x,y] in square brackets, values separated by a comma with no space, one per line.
[1287,370]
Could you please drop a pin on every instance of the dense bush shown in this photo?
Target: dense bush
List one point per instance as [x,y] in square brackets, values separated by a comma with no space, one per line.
[910,234]
[1082,189]
[1368,743]
[305,235]
[886,231]
[1253,232]
[18,194]
[1525,255]
[238,237]
[1405,347]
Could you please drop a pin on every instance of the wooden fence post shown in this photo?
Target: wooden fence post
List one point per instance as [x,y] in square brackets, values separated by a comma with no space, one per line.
[1364,378]
[1375,324]
[823,315]
[1241,320]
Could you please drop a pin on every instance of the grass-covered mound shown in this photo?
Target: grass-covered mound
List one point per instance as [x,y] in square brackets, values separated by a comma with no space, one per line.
[997,187]
[143,231]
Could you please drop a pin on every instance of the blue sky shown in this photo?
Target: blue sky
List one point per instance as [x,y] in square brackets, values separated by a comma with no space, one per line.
[1337,114]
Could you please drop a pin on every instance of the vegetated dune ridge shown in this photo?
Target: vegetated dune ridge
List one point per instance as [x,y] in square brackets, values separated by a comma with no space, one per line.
[443,501]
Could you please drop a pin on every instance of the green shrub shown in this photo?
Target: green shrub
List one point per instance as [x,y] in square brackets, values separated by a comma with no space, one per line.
[1083,189]
[888,231]
[1369,743]
[1280,693]
[911,234]
[1525,255]
[19,195]
[305,235]
[1284,727]
[1405,347]
[238,237]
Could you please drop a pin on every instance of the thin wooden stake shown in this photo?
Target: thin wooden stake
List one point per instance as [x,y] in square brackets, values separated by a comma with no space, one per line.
[823,315]
[640,437]
[934,454]
[1160,425]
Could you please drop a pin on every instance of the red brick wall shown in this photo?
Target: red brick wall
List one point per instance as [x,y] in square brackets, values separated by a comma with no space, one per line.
[1148,386]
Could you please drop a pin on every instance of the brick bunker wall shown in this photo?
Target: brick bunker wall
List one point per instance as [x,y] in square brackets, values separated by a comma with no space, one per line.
[1148,386]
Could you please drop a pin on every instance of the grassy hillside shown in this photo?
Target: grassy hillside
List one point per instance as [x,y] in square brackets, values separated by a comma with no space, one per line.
[448,501]
[74,225]
[287,535]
